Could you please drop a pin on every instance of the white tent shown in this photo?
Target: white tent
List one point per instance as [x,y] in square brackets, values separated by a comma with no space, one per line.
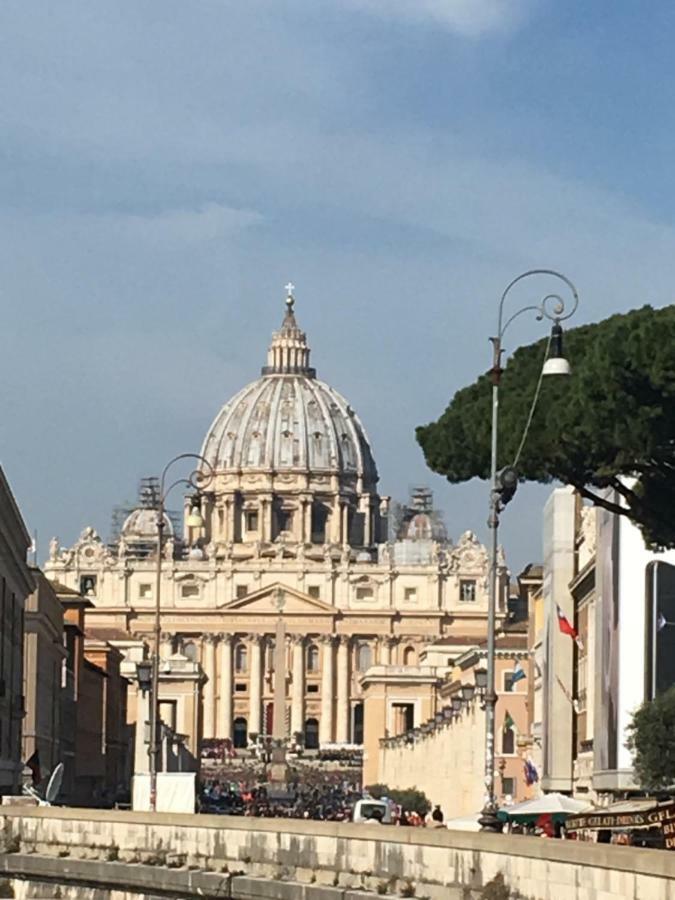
[464,823]
[547,804]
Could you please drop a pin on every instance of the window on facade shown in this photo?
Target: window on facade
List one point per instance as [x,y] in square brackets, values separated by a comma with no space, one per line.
[312,658]
[314,591]
[508,741]
[241,591]
[167,713]
[312,688]
[240,687]
[284,520]
[410,595]
[508,786]
[189,590]
[467,590]
[364,658]
[240,658]
[319,519]
[145,591]
[364,593]
[270,656]
[403,717]
[508,682]
[88,585]
[409,656]
[252,520]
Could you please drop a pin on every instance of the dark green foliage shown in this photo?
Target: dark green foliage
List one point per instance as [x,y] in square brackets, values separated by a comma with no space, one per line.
[651,740]
[410,799]
[615,416]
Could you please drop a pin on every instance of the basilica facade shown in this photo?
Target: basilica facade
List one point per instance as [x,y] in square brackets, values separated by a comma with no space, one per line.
[295,541]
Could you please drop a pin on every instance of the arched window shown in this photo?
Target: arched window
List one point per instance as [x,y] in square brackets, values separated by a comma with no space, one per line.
[240,658]
[190,650]
[364,658]
[311,734]
[508,741]
[409,656]
[240,733]
[312,658]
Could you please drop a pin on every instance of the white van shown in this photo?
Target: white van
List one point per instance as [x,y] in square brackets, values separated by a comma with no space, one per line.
[368,810]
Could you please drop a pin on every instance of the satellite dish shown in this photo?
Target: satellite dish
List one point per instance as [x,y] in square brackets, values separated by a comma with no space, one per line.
[54,785]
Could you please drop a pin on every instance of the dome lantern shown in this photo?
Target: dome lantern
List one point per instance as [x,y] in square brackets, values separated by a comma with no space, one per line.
[288,353]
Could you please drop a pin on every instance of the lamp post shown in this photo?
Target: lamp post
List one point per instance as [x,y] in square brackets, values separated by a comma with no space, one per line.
[503,485]
[197,480]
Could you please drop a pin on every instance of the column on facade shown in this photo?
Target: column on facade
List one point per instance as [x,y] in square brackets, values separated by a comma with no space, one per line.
[344,529]
[298,686]
[342,717]
[307,520]
[326,723]
[209,666]
[225,687]
[385,651]
[255,684]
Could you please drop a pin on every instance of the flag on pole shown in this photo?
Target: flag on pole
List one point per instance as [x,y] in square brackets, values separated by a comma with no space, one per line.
[566,627]
[518,672]
[508,721]
[574,703]
[531,774]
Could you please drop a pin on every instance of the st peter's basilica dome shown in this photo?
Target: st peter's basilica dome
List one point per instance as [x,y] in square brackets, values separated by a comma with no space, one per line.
[289,420]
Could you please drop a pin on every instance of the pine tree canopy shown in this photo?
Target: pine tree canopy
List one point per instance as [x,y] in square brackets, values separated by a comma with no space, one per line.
[608,429]
[651,739]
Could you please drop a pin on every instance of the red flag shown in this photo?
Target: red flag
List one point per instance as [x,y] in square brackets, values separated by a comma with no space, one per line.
[566,627]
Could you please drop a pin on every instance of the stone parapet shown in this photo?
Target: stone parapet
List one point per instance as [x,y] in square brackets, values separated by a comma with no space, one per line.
[258,856]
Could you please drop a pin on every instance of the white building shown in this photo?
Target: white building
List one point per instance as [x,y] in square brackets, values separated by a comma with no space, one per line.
[620,597]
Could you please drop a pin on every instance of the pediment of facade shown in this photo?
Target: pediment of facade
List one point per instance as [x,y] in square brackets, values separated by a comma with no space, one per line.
[265,601]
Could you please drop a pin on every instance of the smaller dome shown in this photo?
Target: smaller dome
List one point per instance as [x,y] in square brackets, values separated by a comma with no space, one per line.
[141,525]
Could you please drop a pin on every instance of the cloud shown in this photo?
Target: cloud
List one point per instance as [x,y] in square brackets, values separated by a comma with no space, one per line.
[470,18]
[211,222]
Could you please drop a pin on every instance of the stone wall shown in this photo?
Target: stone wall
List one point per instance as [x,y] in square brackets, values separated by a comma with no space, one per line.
[322,861]
[435,762]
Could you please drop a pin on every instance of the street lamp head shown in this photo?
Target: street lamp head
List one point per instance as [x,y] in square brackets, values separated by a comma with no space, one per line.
[480,676]
[194,518]
[144,675]
[557,364]
[468,691]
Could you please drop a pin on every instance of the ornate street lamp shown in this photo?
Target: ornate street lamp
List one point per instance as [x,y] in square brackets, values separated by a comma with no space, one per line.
[503,486]
[197,480]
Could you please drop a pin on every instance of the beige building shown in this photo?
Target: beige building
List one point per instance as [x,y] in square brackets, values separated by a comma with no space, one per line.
[43,665]
[16,583]
[292,512]
[443,752]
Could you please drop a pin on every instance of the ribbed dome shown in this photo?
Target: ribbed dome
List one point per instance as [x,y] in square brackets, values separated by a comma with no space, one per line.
[290,420]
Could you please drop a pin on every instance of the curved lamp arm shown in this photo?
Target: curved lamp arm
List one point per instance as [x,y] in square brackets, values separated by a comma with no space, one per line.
[197,479]
[553,306]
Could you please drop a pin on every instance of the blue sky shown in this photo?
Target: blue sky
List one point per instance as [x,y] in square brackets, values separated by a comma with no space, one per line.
[166,167]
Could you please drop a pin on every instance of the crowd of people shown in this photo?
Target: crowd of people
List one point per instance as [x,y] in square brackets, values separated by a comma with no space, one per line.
[319,798]
[326,802]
